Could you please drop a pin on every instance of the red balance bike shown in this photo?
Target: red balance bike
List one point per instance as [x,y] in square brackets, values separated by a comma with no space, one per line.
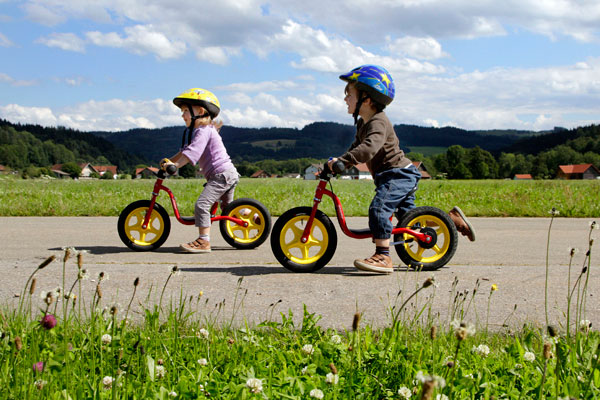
[144,225]
[304,238]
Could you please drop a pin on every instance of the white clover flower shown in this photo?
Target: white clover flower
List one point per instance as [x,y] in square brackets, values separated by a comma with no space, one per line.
[203,332]
[308,349]
[518,366]
[39,384]
[336,339]
[585,325]
[203,361]
[405,392]
[160,371]
[483,350]
[304,370]
[254,384]
[173,393]
[529,356]
[316,393]
[107,382]
[420,377]
[470,376]
[332,378]
[106,339]
[441,397]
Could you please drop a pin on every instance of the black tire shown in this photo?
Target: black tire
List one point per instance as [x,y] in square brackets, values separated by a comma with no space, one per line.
[297,256]
[130,230]
[259,224]
[427,256]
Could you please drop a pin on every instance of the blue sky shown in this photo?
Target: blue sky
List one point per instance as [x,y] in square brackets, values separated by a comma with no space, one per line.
[475,64]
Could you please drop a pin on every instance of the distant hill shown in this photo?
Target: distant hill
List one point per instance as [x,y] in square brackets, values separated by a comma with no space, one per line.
[25,144]
[317,140]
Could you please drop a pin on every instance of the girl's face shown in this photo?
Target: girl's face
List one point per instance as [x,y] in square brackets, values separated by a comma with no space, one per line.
[351,97]
[185,113]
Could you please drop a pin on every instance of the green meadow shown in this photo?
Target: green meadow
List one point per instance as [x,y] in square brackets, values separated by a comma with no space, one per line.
[481,198]
[70,344]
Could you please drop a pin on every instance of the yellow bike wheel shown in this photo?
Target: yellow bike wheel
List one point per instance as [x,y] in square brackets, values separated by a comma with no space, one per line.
[130,228]
[288,247]
[257,218]
[427,256]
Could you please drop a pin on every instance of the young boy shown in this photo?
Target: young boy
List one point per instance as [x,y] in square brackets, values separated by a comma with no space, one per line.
[369,90]
[204,146]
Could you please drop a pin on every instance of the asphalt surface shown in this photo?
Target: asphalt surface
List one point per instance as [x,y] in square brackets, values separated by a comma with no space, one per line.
[251,286]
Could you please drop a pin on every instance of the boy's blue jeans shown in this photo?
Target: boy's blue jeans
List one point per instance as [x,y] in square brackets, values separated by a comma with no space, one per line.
[392,191]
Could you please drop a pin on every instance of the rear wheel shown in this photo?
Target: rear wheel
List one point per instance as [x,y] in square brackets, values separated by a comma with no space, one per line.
[427,256]
[255,214]
[130,224]
[287,245]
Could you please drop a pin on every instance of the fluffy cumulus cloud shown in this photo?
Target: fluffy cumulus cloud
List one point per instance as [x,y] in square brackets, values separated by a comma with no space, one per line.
[281,60]
[64,41]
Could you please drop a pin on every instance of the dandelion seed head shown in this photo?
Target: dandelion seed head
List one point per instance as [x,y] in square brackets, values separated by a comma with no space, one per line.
[317,393]
[255,385]
[203,362]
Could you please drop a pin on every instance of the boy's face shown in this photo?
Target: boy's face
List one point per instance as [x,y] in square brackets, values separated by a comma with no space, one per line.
[351,97]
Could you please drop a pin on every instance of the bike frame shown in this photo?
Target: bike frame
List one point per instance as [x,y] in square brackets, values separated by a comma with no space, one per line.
[356,234]
[158,186]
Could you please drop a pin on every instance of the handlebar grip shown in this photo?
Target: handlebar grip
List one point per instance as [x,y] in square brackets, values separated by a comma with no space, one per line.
[338,167]
[171,169]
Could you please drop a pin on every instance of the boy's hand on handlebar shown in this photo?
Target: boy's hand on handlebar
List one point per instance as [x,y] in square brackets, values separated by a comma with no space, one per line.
[330,162]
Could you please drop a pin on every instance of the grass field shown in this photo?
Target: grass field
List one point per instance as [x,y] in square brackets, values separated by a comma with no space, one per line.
[484,198]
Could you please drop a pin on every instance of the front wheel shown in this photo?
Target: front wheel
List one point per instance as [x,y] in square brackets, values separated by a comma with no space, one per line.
[427,256]
[288,248]
[130,224]
[259,224]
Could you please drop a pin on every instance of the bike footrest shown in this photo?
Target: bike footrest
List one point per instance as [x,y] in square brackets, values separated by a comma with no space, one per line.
[364,231]
[188,219]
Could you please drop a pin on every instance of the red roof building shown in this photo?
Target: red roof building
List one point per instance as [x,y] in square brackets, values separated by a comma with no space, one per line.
[578,171]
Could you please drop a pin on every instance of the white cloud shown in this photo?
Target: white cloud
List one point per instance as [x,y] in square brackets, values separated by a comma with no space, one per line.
[15,82]
[64,41]
[29,115]
[5,42]
[426,48]
[140,39]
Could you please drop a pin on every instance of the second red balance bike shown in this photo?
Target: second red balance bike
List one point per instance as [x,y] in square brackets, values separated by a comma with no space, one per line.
[304,239]
[144,225]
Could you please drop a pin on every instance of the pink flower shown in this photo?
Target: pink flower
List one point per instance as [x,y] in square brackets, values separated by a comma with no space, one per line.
[48,322]
[38,366]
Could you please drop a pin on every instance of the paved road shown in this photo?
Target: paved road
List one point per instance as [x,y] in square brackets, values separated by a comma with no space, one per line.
[509,252]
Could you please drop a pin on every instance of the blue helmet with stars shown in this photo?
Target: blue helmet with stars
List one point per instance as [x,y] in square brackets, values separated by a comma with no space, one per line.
[374,80]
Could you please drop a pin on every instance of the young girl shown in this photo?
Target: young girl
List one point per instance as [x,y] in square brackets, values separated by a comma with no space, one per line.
[202,144]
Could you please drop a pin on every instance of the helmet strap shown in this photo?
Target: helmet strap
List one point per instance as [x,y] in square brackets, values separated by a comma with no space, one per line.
[190,128]
[361,98]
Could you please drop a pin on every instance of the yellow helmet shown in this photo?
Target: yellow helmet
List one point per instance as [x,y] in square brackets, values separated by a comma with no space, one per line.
[199,97]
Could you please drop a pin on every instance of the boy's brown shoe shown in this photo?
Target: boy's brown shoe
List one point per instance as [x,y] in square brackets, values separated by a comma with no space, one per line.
[197,246]
[462,223]
[376,263]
